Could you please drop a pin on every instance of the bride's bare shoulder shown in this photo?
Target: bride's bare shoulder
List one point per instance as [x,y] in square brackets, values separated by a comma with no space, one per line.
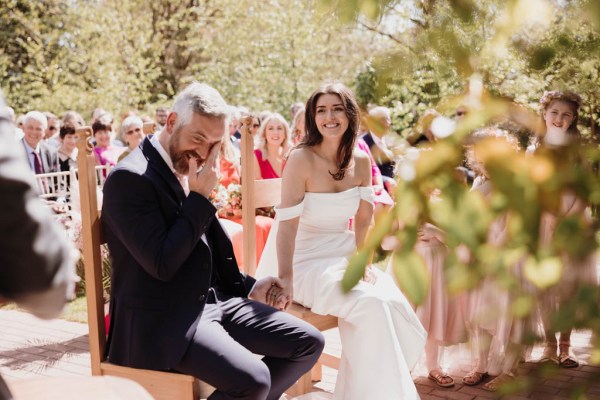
[300,156]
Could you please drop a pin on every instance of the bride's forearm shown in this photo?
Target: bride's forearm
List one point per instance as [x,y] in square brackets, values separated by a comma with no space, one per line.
[285,249]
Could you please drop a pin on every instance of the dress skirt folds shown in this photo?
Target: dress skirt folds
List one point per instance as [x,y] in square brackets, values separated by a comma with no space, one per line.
[381,336]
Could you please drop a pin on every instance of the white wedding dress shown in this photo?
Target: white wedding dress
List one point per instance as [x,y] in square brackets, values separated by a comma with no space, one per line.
[381,336]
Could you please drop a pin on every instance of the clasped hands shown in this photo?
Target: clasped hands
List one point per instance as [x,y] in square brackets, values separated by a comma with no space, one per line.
[274,292]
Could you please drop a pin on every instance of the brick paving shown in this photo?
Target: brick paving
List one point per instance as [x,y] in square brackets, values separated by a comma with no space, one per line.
[32,348]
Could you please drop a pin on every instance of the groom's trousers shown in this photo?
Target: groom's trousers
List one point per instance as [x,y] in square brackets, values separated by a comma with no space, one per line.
[231,331]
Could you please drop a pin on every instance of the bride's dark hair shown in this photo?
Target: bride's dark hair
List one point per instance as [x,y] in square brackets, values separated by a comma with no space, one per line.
[314,137]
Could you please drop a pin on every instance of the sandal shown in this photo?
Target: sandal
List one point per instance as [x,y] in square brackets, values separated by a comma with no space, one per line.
[549,354]
[474,378]
[566,358]
[441,378]
[498,381]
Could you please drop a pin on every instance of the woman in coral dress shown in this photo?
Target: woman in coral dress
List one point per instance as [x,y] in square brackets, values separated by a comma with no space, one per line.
[232,221]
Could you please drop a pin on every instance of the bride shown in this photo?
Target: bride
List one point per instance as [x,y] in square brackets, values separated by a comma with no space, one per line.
[326,183]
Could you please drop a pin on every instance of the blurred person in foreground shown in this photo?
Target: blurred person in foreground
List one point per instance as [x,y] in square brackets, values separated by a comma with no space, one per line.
[37,261]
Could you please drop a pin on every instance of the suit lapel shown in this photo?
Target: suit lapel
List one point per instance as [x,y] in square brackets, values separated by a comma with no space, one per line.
[160,168]
[45,156]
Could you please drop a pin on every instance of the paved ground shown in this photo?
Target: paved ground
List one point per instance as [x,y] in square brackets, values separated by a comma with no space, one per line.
[31,348]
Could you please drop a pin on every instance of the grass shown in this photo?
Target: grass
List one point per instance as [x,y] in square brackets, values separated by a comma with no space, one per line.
[75,310]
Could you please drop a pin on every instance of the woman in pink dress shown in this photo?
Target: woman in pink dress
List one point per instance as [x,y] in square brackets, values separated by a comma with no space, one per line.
[561,136]
[273,144]
[382,198]
[105,153]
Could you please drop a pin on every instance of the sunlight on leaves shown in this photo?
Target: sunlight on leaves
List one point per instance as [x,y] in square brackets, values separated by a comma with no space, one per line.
[543,273]
[412,275]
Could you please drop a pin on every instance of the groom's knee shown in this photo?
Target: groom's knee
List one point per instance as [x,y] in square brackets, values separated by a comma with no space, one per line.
[312,344]
[253,383]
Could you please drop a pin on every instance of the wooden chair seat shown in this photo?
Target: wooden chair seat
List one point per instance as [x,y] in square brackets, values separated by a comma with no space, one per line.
[161,385]
[267,193]
[77,388]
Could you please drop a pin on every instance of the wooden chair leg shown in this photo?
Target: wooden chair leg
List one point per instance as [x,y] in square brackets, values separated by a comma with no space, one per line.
[317,372]
[302,386]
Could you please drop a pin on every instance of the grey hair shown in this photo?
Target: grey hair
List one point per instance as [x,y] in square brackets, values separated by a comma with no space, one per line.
[132,120]
[202,99]
[36,116]
[380,111]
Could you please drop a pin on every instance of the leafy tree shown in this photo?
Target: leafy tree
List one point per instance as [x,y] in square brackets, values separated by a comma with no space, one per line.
[496,58]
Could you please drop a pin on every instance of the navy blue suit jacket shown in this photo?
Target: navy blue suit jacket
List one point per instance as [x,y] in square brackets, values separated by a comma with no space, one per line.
[161,268]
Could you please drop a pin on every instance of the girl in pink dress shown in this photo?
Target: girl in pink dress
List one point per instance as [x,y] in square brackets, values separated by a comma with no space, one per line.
[561,136]
[496,335]
[441,313]
[273,144]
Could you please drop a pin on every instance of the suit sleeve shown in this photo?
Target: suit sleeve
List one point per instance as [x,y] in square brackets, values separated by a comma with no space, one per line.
[132,212]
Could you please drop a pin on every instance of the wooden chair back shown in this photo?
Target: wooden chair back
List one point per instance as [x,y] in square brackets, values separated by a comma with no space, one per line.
[267,193]
[161,385]
[259,193]
[149,128]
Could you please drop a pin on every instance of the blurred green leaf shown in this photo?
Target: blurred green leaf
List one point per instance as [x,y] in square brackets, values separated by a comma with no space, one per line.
[522,306]
[543,273]
[412,275]
[355,270]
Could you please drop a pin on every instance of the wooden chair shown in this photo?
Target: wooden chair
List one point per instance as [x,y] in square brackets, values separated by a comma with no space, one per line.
[161,385]
[267,193]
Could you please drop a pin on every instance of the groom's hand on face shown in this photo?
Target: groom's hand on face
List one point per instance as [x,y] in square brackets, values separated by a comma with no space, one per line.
[205,180]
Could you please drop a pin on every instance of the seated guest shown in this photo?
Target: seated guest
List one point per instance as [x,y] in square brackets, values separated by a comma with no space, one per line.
[67,152]
[382,198]
[380,122]
[73,118]
[273,144]
[106,154]
[132,133]
[52,131]
[42,158]
[178,301]
[298,128]
[229,167]
[161,118]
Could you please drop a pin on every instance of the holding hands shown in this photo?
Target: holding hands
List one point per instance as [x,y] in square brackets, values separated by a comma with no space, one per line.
[269,291]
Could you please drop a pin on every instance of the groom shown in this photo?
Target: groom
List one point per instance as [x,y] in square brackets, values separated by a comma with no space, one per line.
[178,300]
